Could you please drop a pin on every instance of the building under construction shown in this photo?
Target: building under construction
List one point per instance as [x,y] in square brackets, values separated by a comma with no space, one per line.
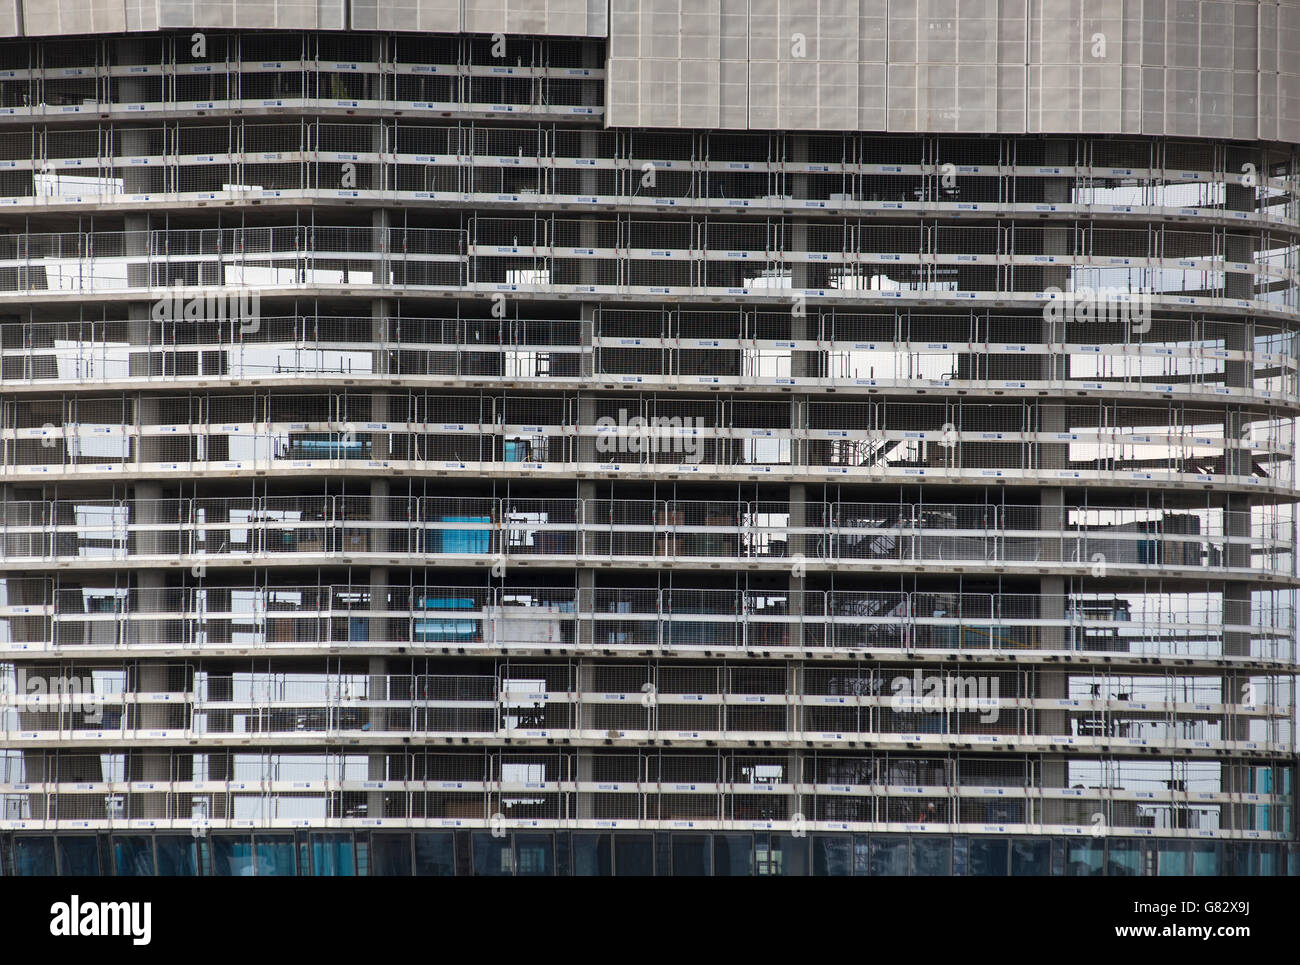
[579,437]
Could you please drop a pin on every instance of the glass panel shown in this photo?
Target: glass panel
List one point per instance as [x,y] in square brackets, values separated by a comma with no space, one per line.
[34,855]
[1239,859]
[633,855]
[491,855]
[563,858]
[931,857]
[435,855]
[78,856]
[535,854]
[1084,859]
[592,855]
[733,855]
[176,855]
[1123,858]
[960,855]
[1268,863]
[861,854]
[232,855]
[390,855]
[889,857]
[133,856]
[1206,858]
[332,856]
[832,855]
[790,854]
[988,857]
[690,855]
[275,856]
[1031,857]
[1171,858]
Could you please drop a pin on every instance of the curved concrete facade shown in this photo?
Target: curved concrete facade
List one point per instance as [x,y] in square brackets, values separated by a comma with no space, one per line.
[1228,69]
[406,465]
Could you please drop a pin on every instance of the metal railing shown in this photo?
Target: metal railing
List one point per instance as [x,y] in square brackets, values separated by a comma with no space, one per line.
[216,805]
[470,162]
[550,351]
[587,256]
[494,531]
[867,705]
[1209,624]
[721,436]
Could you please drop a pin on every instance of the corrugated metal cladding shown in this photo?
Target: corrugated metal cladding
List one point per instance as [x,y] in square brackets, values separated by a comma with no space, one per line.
[1161,67]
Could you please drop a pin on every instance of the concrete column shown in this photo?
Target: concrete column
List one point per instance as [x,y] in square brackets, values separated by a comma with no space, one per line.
[1053,683]
[799,550]
[794,728]
[148,507]
[584,806]
[1056,241]
[221,686]
[586,577]
[135,142]
[587,230]
[377,760]
[378,538]
[138,313]
[585,544]
[803,365]
[586,445]
[585,451]
[37,770]
[155,677]
[374,84]
[1237,462]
